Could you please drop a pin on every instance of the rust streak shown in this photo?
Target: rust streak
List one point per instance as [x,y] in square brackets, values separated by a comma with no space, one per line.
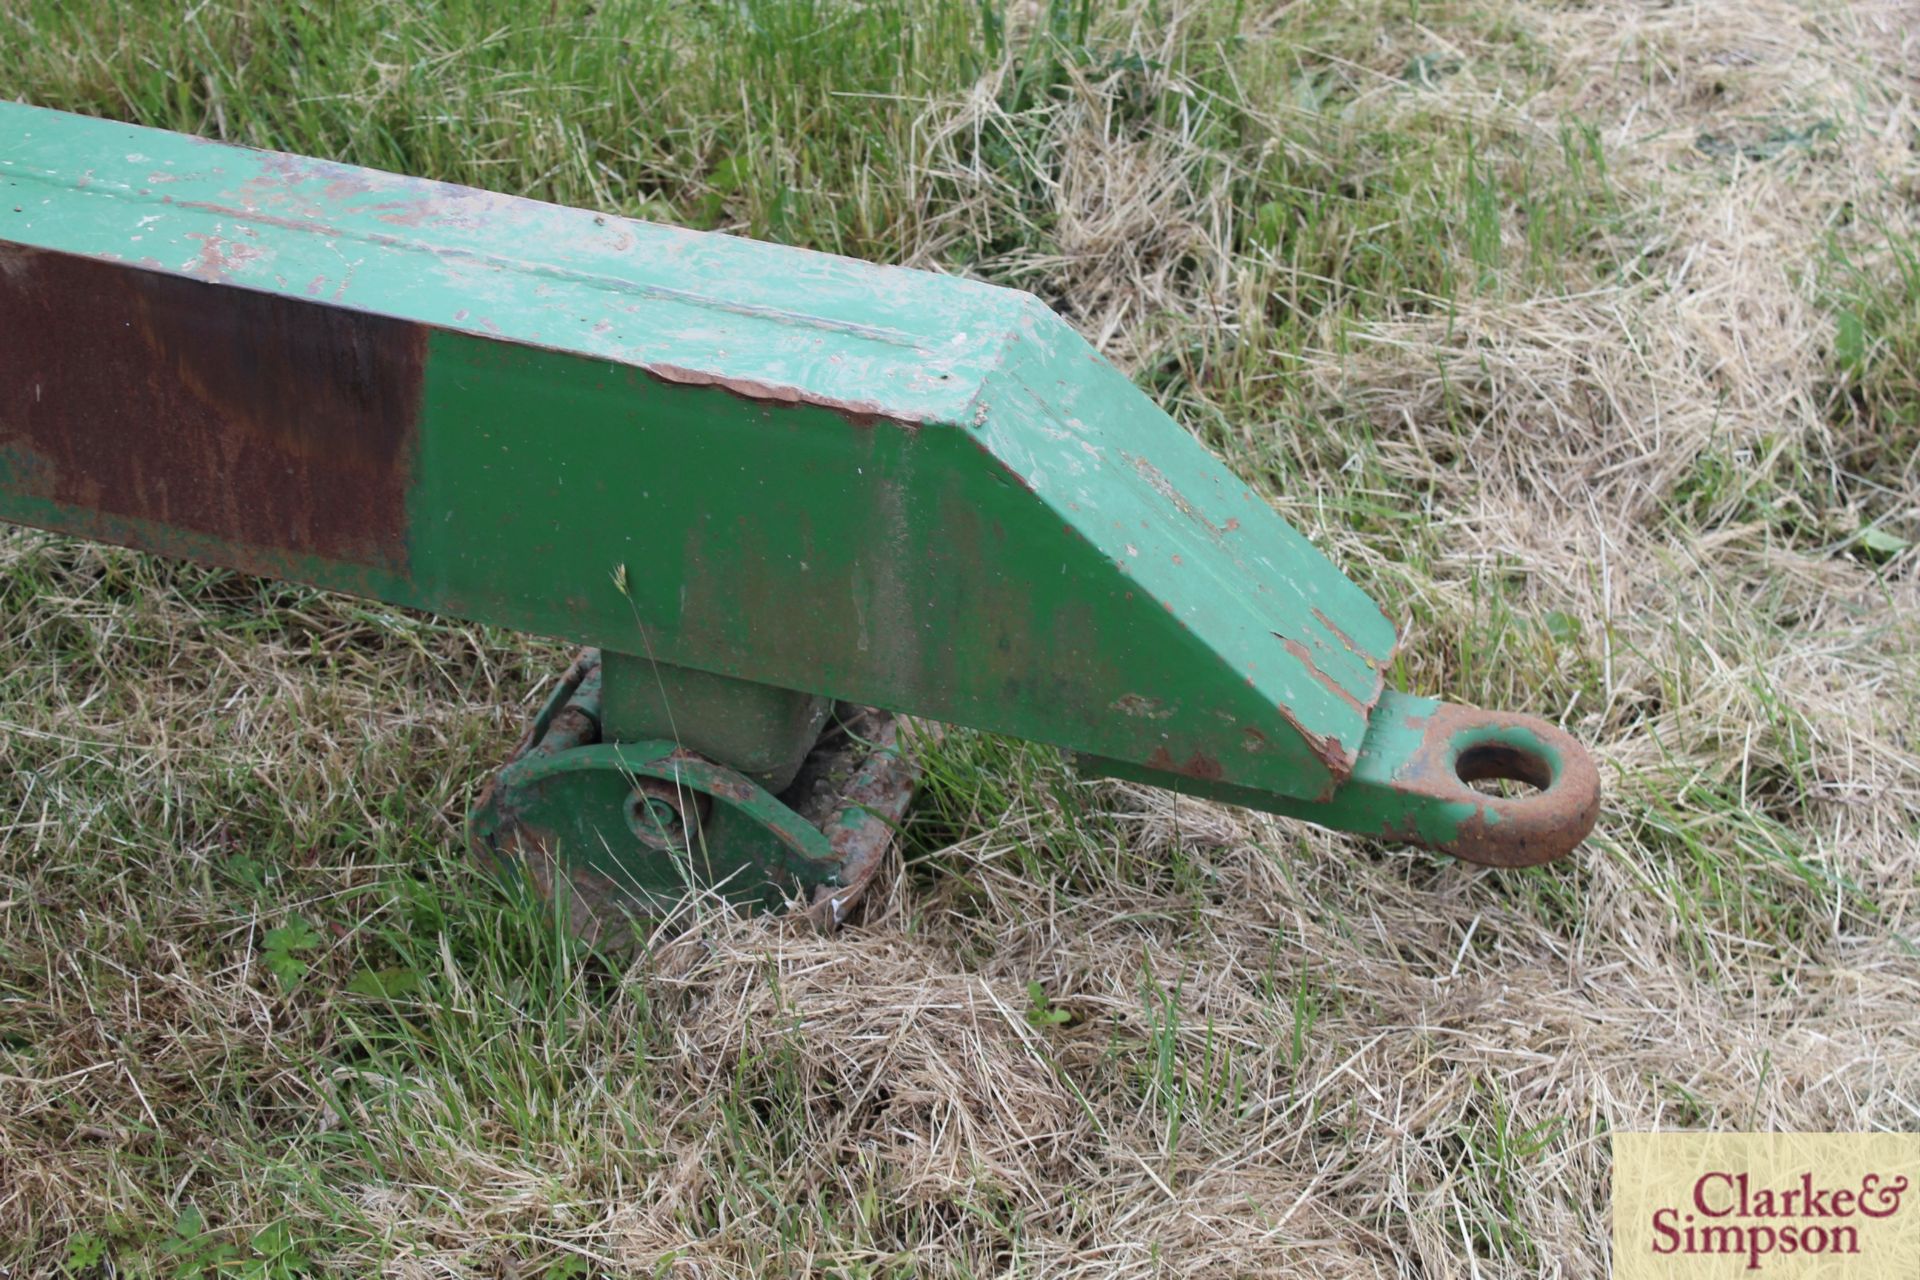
[1301,652]
[1159,483]
[1198,765]
[1338,634]
[211,264]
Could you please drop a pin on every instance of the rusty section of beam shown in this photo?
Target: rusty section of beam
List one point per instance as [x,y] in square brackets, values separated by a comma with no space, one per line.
[272,426]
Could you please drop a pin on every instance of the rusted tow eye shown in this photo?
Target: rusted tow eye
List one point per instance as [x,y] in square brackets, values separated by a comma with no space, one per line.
[1465,745]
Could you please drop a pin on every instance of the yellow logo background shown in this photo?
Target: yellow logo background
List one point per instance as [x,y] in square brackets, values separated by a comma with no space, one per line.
[1662,1232]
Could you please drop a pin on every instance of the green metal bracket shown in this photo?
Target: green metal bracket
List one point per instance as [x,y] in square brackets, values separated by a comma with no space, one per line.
[763,732]
[790,480]
[705,825]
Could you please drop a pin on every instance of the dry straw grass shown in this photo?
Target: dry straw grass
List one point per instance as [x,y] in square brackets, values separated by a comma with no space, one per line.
[1263,1049]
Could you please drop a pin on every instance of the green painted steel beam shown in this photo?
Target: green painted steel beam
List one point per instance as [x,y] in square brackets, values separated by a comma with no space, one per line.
[868,483]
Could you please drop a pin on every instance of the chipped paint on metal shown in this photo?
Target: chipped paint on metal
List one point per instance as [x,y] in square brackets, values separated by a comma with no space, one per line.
[1305,658]
[859,413]
[1139,704]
